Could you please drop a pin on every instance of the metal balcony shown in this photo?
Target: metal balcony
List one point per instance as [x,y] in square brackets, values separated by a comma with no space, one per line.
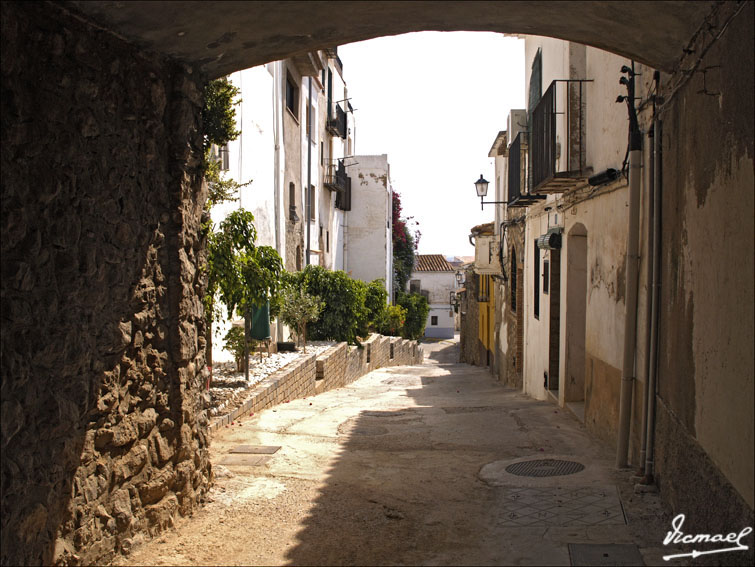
[335,177]
[337,124]
[519,195]
[557,150]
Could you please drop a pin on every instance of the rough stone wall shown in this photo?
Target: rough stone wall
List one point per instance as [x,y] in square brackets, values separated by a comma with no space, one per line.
[469,350]
[509,364]
[102,324]
[704,434]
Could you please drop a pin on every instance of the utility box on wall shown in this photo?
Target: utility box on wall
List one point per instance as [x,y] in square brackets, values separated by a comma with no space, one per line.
[487,259]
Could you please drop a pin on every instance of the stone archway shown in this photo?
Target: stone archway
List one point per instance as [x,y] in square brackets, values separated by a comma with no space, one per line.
[222,37]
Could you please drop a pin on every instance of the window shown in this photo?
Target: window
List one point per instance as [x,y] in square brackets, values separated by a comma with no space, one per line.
[312,201]
[513,279]
[414,286]
[327,241]
[292,96]
[434,320]
[322,154]
[536,263]
[292,216]
[546,275]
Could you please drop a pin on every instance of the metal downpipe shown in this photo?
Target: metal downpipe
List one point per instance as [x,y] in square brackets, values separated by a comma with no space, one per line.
[630,319]
[648,301]
[654,317]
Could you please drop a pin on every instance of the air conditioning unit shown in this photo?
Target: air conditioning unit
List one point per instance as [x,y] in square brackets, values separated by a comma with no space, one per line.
[487,259]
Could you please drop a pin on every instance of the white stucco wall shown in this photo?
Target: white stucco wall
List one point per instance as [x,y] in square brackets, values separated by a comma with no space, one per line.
[369,248]
[439,285]
[252,159]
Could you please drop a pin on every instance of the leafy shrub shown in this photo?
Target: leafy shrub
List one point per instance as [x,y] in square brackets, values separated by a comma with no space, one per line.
[299,308]
[417,310]
[391,320]
[234,343]
[376,301]
[345,316]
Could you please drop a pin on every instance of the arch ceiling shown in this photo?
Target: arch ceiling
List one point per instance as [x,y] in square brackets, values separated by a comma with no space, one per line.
[222,37]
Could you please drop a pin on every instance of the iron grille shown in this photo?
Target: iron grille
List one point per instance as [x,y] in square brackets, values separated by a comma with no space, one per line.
[543,150]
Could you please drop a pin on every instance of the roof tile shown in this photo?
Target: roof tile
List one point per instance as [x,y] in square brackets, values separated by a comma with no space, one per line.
[432,263]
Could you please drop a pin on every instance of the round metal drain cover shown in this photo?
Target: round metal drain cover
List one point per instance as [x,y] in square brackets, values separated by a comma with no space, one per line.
[545,467]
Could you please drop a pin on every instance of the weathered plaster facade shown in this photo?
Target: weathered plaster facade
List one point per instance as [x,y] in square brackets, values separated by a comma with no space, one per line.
[370,244]
[705,390]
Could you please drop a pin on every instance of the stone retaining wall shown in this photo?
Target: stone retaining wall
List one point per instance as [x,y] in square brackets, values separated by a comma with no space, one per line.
[336,367]
[103,331]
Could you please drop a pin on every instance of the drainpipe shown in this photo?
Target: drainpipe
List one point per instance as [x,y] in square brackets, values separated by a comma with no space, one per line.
[345,242]
[308,192]
[657,179]
[277,206]
[630,318]
[648,310]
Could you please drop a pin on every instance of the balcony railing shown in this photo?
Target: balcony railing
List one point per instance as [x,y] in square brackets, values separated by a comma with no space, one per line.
[337,124]
[557,150]
[335,177]
[519,195]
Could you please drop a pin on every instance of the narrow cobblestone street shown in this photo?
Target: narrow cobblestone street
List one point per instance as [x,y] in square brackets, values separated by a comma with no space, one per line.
[408,466]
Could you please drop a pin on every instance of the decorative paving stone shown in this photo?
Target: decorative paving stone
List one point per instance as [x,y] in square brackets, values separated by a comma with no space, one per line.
[561,507]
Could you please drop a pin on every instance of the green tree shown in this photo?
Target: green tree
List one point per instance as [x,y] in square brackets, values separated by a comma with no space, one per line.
[299,308]
[404,246]
[417,310]
[219,126]
[240,274]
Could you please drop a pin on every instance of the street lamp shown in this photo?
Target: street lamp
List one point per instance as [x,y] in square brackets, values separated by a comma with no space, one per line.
[481,185]
[459,277]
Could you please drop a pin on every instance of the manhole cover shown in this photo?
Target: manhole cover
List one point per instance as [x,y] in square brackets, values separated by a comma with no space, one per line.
[545,467]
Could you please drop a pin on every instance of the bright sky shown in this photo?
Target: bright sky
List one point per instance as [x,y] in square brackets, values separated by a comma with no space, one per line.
[434,102]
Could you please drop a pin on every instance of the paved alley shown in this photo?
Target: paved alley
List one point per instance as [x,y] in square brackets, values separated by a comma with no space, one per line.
[420,465]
